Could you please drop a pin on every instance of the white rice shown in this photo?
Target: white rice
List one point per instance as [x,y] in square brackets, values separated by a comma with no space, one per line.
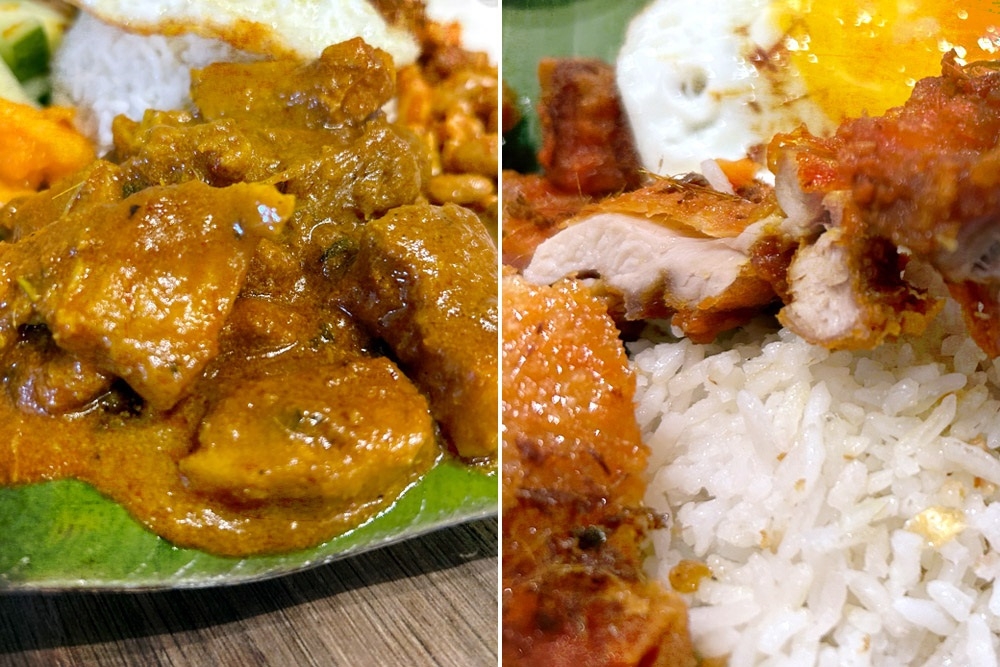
[105,71]
[807,481]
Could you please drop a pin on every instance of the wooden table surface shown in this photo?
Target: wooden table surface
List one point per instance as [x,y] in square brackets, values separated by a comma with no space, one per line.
[427,601]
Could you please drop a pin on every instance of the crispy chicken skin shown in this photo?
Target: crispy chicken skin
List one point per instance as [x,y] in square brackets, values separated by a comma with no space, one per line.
[574,593]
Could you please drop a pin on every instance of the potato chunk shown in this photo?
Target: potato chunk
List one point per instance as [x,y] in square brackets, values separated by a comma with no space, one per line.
[345,433]
[427,284]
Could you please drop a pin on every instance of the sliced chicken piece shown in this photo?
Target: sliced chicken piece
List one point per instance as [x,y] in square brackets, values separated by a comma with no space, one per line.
[805,170]
[824,305]
[923,178]
[670,249]
[533,210]
[850,295]
[845,289]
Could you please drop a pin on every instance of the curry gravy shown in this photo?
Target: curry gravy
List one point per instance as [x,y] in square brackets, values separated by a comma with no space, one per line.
[246,324]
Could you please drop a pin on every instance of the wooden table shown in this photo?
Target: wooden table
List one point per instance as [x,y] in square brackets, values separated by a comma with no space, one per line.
[428,601]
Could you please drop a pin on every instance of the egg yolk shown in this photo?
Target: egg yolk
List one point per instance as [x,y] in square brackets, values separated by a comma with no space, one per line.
[864,57]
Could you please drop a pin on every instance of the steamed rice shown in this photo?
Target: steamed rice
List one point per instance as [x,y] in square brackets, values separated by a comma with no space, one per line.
[127,73]
[843,501]
[104,70]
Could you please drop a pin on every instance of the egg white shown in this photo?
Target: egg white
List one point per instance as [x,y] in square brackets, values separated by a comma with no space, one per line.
[706,80]
[300,27]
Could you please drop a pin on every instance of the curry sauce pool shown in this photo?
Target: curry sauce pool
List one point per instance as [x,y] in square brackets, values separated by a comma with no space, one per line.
[222,382]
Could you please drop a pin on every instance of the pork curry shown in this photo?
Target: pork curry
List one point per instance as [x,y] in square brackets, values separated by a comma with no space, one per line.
[247,324]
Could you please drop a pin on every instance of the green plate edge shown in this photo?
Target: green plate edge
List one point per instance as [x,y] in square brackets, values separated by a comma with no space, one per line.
[64,535]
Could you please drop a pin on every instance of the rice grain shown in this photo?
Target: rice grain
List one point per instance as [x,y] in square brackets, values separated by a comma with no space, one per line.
[844,501]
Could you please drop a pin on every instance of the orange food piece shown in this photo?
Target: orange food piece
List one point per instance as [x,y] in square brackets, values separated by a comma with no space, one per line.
[587,142]
[39,146]
[741,173]
[686,576]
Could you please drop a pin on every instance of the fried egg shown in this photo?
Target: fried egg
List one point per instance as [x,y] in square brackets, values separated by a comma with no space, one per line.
[716,78]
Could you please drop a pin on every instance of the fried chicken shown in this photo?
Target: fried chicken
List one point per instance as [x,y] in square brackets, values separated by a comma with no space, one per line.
[574,593]
[587,143]
[673,249]
[920,183]
[533,210]
[924,179]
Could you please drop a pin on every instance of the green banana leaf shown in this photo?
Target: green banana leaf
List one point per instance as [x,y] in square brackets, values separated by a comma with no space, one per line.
[65,535]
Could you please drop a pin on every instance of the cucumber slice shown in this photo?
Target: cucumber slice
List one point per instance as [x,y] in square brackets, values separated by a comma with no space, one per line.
[30,31]
[38,88]
[53,20]
[24,46]
[10,87]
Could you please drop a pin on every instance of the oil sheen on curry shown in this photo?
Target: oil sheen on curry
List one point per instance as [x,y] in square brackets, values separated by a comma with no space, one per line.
[246,324]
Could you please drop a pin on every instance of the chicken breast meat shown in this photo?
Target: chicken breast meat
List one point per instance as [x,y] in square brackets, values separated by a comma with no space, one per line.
[673,249]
